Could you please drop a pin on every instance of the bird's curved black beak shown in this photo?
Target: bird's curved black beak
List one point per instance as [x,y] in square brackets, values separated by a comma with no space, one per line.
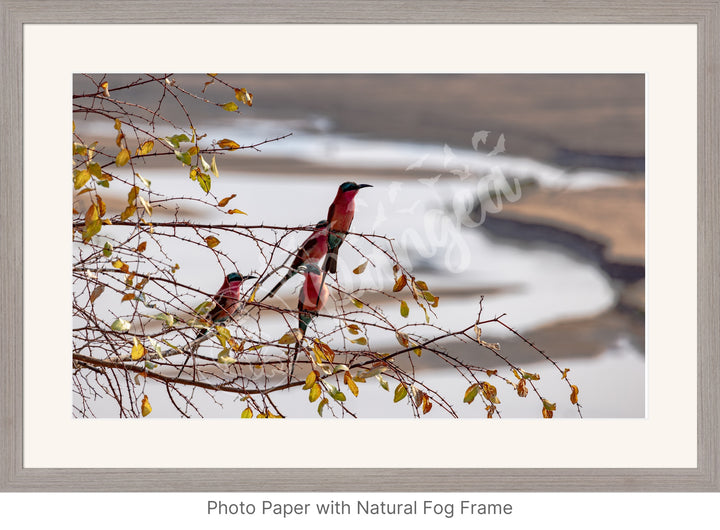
[364,186]
[249,277]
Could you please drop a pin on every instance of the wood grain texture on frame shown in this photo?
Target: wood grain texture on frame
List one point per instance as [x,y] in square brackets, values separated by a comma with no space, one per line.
[704,14]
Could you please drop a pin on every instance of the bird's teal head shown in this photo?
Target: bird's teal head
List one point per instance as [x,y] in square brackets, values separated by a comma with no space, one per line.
[236,277]
[321,224]
[309,268]
[352,186]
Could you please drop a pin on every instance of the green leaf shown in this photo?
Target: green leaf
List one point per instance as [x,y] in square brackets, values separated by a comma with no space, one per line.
[321,406]
[81,178]
[336,394]
[382,382]
[471,393]
[205,182]
[107,249]
[400,393]
[95,169]
[91,228]
[204,308]
[185,158]
[404,309]
[176,139]
[224,358]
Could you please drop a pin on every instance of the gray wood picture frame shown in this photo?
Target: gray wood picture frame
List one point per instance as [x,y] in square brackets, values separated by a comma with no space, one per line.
[15,13]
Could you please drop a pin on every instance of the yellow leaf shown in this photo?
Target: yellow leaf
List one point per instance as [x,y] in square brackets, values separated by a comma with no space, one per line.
[138,350]
[146,147]
[127,296]
[141,247]
[421,285]
[547,413]
[362,341]
[127,212]
[123,157]
[360,268]
[404,309]
[417,351]
[574,394]
[310,380]
[212,241]
[315,392]
[230,106]
[145,205]
[291,337]
[357,303]
[243,96]
[247,413]
[81,178]
[146,408]
[119,139]
[226,144]
[400,283]
[101,206]
[354,329]
[213,166]
[351,384]
[193,150]
[565,372]
[235,210]
[226,200]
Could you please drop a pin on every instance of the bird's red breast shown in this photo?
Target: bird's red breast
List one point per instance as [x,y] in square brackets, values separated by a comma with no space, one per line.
[309,299]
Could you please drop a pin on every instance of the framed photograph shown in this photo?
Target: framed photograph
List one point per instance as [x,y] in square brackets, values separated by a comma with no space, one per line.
[481,240]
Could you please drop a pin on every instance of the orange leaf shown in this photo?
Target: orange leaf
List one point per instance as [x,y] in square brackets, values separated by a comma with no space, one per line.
[400,283]
[226,200]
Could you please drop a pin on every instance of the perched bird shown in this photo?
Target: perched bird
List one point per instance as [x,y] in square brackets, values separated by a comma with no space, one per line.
[339,217]
[313,249]
[312,299]
[227,299]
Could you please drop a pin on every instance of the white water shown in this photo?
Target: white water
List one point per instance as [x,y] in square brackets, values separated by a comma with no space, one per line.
[426,218]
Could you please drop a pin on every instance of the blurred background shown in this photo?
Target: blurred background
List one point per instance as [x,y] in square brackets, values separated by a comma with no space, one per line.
[525,190]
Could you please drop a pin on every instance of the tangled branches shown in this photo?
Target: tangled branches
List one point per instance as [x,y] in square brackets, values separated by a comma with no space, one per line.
[149,255]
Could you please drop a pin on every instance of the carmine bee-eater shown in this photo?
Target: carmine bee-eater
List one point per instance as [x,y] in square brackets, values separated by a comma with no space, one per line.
[339,217]
[312,250]
[312,299]
[227,299]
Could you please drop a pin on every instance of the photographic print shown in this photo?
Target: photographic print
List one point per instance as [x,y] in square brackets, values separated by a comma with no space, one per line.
[358,246]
